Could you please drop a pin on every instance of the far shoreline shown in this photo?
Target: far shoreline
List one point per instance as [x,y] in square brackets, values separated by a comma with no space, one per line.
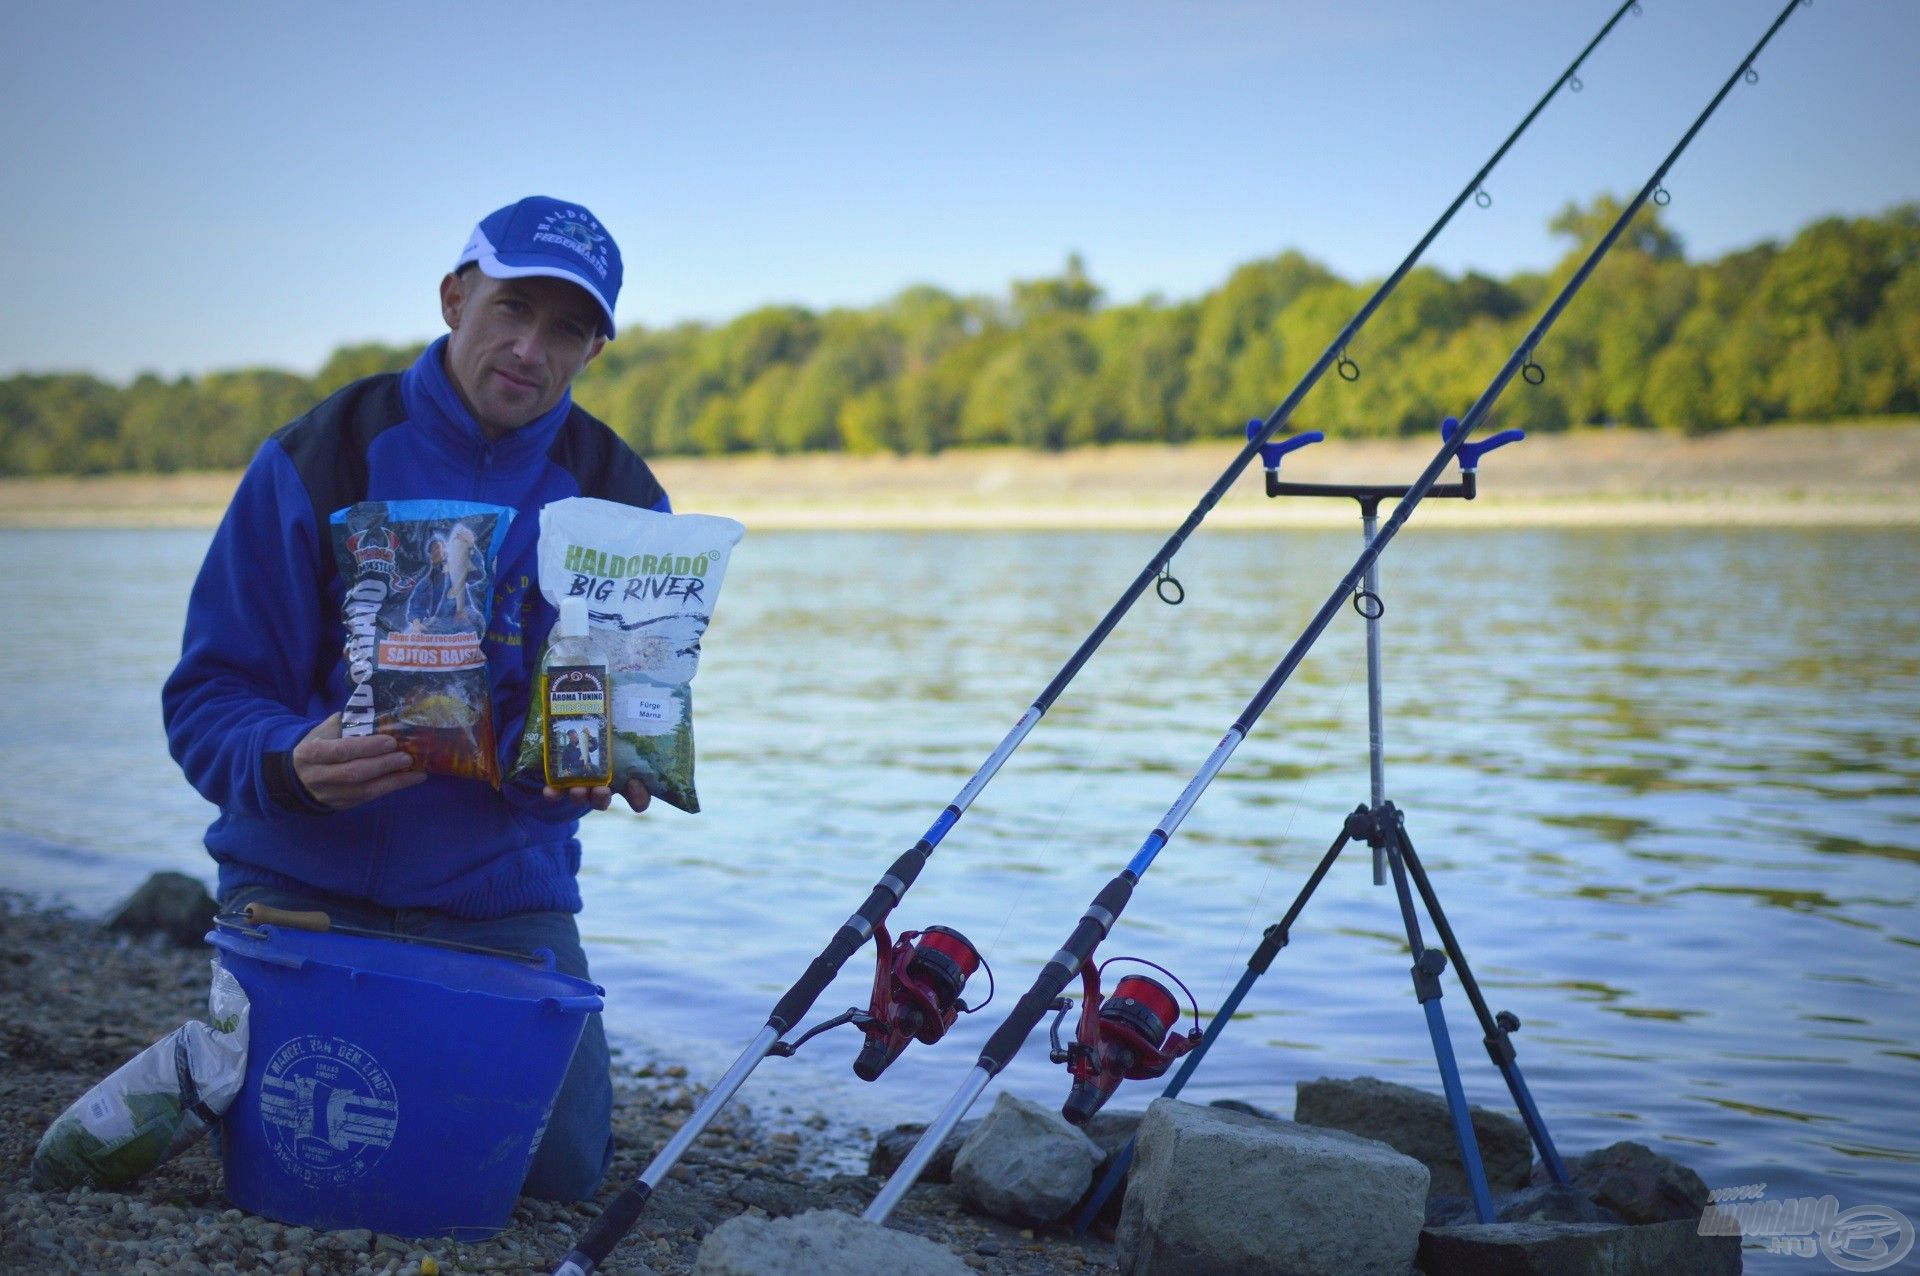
[1840,475]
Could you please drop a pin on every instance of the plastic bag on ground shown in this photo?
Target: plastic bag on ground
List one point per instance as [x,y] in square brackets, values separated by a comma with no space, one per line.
[153,1106]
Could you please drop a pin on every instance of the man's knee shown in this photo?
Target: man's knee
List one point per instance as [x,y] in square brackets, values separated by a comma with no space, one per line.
[578,1144]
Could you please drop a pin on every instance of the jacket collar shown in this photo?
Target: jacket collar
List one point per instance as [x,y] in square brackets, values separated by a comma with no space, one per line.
[434,406]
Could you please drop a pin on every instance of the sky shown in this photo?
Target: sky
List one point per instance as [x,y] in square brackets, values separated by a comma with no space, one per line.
[196,185]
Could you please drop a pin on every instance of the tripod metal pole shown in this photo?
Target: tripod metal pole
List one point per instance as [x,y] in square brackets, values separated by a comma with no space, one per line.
[1499,1028]
[1372,608]
[1427,965]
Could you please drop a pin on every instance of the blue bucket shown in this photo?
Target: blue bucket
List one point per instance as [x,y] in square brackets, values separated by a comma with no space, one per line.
[391,1085]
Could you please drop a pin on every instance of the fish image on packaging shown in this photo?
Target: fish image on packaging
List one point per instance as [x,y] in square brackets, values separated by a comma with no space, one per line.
[419,595]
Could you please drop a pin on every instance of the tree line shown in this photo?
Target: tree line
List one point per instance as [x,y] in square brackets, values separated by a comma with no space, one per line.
[1826,326]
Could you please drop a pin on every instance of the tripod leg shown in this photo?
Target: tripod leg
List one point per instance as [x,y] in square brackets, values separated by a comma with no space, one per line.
[1427,965]
[1498,1028]
[1270,945]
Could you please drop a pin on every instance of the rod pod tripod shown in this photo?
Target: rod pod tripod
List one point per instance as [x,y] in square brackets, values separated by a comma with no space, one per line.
[1382,826]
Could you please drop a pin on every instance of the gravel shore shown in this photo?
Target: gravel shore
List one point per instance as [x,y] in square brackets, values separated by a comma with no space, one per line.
[76,1003]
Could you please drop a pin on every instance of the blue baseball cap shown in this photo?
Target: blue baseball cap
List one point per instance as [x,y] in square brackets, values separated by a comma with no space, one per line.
[541,236]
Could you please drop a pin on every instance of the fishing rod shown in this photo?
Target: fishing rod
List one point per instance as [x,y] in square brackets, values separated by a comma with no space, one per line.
[1383,827]
[917,1009]
[1076,955]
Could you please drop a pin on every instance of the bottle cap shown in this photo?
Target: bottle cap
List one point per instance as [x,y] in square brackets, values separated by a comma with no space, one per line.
[573,618]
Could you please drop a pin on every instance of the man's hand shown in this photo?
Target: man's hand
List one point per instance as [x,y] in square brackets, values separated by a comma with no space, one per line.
[601,797]
[340,773]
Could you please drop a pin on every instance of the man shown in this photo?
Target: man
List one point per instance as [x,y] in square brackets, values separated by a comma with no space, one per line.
[311,820]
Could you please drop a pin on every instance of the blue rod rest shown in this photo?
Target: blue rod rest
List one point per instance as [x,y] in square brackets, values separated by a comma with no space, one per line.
[1470,453]
[1270,453]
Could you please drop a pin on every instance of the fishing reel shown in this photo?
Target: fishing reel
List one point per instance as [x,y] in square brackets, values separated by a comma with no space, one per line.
[1128,1036]
[917,982]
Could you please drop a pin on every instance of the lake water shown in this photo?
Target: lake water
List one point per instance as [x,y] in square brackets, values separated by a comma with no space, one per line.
[1667,784]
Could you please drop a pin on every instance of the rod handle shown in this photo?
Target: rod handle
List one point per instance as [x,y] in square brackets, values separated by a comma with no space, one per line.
[263,915]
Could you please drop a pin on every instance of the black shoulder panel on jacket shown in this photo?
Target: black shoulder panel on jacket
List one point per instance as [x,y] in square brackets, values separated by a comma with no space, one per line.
[328,446]
[602,463]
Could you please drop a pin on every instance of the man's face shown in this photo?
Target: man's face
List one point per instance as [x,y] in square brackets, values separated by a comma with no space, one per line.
[516,344]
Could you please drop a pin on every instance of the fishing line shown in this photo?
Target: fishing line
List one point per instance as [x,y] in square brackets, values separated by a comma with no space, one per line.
[1286,832]
[867,922]
[1293,813]
[1094,925]
[1094,754]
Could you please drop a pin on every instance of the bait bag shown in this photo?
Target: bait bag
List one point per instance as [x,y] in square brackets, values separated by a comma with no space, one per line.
[154,1105]
[651,581]
[419,580]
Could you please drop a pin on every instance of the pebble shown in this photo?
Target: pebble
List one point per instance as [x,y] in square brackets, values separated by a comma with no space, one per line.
[177,1222]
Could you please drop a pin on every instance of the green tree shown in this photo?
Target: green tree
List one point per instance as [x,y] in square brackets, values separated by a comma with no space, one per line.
[351,363]
[1826,324]
[1068,293]
[853,354]
[1679,393]
[1241,311]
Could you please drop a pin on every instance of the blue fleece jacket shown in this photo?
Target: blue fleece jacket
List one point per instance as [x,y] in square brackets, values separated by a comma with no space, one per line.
[261,660]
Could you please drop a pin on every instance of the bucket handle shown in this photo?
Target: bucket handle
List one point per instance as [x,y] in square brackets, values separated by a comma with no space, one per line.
[256,915]
[271,956]
[574,1005]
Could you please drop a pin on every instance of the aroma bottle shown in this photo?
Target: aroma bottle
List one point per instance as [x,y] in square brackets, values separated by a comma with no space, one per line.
[577,744]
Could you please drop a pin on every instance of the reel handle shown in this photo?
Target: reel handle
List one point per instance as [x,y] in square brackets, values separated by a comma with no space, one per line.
[1270,453]
[1470,453]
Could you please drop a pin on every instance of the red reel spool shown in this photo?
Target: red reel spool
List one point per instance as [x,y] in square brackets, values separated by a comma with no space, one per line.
[1126,1036]
[916,993]
[1145,1008]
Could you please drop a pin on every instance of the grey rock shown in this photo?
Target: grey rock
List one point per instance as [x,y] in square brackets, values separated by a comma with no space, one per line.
[1541,1203]
[1637,1183]
[1247,1109]
[1025,1163]
[892,1147]
[169,904]
[1219,1191]
[1418,1124]
[778,1197]
[820,1241]
[1111,1130]
[1577,1249]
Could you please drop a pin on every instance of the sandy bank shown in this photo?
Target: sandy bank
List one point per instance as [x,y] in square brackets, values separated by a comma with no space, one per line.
[1784,475]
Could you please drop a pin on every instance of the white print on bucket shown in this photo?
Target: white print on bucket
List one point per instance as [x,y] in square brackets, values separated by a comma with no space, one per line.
[328,1108]
[645,710]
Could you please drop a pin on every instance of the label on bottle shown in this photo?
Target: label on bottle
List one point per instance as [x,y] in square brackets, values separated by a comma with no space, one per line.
[577,744]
